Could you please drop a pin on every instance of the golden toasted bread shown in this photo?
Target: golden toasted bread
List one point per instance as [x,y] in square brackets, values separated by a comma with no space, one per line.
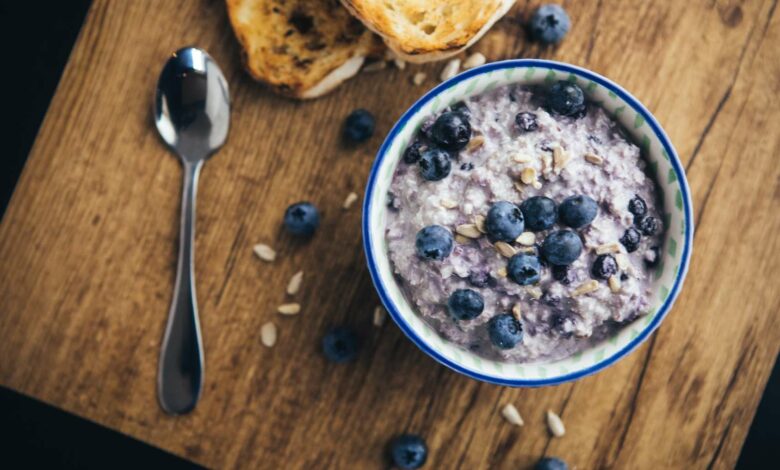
[426,30]
[300,48]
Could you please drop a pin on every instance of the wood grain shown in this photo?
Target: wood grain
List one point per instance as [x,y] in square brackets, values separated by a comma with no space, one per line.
[88,249]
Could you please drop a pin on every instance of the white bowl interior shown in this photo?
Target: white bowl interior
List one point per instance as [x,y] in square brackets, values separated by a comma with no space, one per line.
[645,132]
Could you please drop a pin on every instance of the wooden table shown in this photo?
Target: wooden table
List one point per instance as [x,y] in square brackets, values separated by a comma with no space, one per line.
[88,249]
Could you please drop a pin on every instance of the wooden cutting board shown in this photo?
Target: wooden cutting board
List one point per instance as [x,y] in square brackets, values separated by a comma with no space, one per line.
[88,249]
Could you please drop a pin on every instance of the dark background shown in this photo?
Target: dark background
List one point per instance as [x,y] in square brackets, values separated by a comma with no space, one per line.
[38,37]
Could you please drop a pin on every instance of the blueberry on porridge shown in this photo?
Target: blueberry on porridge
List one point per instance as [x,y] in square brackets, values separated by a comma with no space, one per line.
[524,226]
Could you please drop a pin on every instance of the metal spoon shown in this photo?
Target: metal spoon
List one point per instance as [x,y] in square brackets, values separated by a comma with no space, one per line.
[192,115]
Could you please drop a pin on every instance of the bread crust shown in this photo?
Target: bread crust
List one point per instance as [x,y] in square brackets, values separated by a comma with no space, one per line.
[300,48]
[427,30]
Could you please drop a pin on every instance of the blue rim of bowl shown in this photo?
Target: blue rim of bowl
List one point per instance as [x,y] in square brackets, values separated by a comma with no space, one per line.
[676,165]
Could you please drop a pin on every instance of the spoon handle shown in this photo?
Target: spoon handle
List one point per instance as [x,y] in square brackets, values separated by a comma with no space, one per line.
[180,375]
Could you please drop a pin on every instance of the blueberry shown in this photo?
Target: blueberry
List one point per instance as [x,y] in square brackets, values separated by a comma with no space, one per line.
[561,248]
[465,304]
[504,222]
[562,274]
[566,98]
[524,269]
[637,206]
[480,278]
[359,125]
[451,131]
[630,239]
[413,152]
[526,122]
[604,267]
[434,242]
[648,225]
[340,344]
[578,211]
[505,331]
[539,212]
[551,463]
[549,24]
[468,166]
[435,164]
[408,451]
[462,108]
[301,218]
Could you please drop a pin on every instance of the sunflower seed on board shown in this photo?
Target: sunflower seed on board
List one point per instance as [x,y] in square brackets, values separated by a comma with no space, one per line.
[418,78]
[593,158]
[264,252]
[380,315]
[526,238]
[375,66]
[586,288]
[289,309]
[555,424]
[450,70]
[295,283]
[506,250]
[468,230]
[608,248]
[268,334]
[510,413]
[474,60]
[614,284]
[349,201]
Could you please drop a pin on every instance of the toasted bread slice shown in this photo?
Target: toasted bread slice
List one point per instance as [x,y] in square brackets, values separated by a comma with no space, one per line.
[427,30]
[301,48]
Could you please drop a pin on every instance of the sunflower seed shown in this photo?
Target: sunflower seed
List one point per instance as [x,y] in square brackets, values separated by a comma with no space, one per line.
[622,261]
[505,249]
[555,424]
[522,158]
[268,334]
[295,283]
[289,309]
[450,70]
[593,158]
[534,292]
[264,252]
[516,312]
[501,272]
[614,284]
[479,222]
[474,60]
[526,238]
[468,230]
[419,78]
[608,248]
[462,240]
[560,159]
[512,415]
[380,315]
[586,288]
[528,175]
[375,66]
[475,142]
[448,203]
[349,201]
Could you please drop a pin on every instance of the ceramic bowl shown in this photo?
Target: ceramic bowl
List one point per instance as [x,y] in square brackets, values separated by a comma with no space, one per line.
[663,165]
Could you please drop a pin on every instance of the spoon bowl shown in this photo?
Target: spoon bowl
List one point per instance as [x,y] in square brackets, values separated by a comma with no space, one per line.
[192,115]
